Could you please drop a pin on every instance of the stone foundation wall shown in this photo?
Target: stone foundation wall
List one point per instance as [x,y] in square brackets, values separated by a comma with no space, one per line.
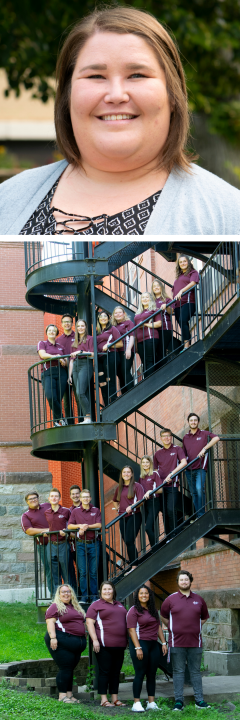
[16,548]
[222,630]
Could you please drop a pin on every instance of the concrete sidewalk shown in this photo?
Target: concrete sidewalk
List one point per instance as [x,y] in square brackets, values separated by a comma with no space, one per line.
[215,689]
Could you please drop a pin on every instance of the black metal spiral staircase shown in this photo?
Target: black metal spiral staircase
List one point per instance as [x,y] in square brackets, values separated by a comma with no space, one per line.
[61,277]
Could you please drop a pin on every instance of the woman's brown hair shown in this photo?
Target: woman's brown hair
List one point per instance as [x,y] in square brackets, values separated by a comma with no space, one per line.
[107,582]
[162,288]
[124,20]
[189,267]
[76,341]
[130,494]
[99,327]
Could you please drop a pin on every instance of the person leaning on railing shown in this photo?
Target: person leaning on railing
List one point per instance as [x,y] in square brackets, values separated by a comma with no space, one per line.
[81,369]
[58,549]
[34,522]
[150,479]
[147,334]
[123,323]
[53,374]
[185,307]
[122,128]
[159,295]
[65,638]
[106,623]
[128,493]
[196,443]
[107,361]
[86,519]
[144,628]
[168,460]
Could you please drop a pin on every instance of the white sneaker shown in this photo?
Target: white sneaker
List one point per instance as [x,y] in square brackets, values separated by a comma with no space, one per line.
[86,420]
[137,707]
[152,706]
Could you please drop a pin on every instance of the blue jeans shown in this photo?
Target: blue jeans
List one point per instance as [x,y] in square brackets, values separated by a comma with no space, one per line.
[44,569]
[179,657]
[87,562]
[196,482]
[59,563]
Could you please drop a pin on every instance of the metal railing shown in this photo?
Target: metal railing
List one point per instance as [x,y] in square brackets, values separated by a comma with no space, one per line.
[40,253]
[154,525]
[70,560]
[138,436]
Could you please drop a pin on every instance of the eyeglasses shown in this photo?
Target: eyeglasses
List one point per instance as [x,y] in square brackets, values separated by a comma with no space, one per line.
[65,592]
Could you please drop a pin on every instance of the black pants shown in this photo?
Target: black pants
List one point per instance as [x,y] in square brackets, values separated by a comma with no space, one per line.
[66,657]
[166,343]
[183,314]
[54,382]
[107,364]
[82,374]
[123,371]
[170,499]
[68,403]
[110,660]
[129,528]
[147,666]
[148,354]
[152,509]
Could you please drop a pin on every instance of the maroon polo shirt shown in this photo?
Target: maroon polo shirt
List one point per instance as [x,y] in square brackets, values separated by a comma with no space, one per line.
[66,342]
[36,519]
[51,350]
[181,282]
[84,346]
[193,443]
[71,622]
[125,501]
[146,333]
[146,625]
[185,615]
[107,336]
[150,482]
[165,317]
[79,516]
[57,521]
[166,461]
[110,623]
[73,507]
[123,327]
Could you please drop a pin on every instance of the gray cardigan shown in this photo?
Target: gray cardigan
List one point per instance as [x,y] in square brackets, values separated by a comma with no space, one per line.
[190,204]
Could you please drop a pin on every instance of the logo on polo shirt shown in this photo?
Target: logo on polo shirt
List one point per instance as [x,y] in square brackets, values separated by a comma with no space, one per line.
[172,454]
[195,602]
[92,514]
[198,438]
[61,516]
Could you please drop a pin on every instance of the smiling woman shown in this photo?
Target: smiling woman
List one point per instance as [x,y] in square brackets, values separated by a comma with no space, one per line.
[122,123]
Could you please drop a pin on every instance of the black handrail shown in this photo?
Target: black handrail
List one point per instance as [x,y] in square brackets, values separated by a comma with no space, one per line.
[143,322]
[140,502]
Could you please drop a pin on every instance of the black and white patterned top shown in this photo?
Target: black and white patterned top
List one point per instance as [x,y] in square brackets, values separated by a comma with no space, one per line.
[129,222]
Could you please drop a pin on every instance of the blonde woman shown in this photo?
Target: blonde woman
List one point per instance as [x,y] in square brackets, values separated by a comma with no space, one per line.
[150,479]
[107,361]
[81,368]
[65,638]
[147,334]
[123,323]
[166,340]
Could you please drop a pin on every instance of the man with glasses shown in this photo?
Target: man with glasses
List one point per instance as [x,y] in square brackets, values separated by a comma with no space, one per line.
[168,460]
[33,522]
[66,340]
[86,519]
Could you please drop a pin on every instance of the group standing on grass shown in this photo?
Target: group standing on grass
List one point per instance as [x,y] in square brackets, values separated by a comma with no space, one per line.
[119,339]
[111,627]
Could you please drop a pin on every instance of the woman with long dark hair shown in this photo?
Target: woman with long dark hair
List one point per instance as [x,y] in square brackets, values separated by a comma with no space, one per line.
[65,638]
[123,323]
[161,300]
[150,479]
[186,279]
[81,369]
[106,623]
[128,493]
[107,360]
[147,334]
[144,629]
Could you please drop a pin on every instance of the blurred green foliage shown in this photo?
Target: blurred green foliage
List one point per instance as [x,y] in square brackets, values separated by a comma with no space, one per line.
[207,33]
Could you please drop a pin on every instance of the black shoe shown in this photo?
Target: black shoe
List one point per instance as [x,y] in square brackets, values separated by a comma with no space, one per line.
[178,705]
[202,705]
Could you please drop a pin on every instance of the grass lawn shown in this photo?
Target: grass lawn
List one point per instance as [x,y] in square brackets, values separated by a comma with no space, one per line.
[21,637]
[28,706]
